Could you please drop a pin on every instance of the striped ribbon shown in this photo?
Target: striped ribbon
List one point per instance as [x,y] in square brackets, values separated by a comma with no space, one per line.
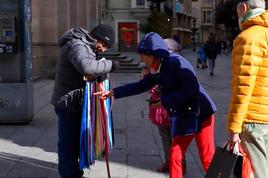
[96,135]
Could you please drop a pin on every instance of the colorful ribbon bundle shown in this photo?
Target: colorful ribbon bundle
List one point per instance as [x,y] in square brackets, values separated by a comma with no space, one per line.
[96,135]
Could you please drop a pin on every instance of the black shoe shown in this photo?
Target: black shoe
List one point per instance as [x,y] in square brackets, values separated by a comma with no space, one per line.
[164,167]
[81,173]
[211,73]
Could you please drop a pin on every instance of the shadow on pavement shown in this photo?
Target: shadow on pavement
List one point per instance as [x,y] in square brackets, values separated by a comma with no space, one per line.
[14,166]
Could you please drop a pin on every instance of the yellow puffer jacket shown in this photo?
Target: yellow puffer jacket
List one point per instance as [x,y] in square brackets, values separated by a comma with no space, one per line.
[249,99]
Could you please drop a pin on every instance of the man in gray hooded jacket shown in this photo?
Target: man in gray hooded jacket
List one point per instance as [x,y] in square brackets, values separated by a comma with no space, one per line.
[78,58]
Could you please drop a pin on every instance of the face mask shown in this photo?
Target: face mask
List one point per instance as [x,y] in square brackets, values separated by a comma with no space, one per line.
[152,71]
[154,68]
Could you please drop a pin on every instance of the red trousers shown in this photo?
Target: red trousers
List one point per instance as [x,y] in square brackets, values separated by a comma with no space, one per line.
[204,141]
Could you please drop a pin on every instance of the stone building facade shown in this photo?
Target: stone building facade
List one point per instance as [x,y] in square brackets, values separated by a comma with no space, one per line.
[50,19]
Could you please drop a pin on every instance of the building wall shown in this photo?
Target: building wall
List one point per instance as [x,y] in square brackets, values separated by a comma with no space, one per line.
[124,11]
[204,28]
[182,23]
[119,4]
[197,13]
[50,19]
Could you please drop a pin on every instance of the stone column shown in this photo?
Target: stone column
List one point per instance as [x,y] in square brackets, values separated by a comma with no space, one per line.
[73,13]
[49,21]
[36,14]
[82,13]
[63,16]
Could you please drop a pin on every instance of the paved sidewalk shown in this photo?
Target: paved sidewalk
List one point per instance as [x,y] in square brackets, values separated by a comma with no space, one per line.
[30,151]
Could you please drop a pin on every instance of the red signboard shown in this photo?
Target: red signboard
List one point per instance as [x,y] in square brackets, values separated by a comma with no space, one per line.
[127,36]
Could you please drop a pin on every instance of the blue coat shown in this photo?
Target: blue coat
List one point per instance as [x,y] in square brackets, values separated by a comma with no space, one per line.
[180,90]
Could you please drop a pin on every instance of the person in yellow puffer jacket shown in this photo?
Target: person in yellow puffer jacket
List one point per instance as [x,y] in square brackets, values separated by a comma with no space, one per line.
[247,120]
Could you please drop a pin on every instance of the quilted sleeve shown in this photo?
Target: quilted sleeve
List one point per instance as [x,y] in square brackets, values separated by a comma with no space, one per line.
[246,61]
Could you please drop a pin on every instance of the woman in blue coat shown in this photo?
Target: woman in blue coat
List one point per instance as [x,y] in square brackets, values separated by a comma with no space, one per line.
[180,94]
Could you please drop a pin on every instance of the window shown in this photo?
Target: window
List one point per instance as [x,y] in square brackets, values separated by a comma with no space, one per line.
[140,2]
[207,17]
[207,2]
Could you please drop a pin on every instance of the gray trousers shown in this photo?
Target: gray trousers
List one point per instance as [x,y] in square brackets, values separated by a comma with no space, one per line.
[211,65]
[166,139]
[254,140]
[166,142]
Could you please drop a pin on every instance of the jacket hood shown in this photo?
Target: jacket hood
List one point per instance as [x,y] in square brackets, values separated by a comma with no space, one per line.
[153,44]
[76,33]
[261,20]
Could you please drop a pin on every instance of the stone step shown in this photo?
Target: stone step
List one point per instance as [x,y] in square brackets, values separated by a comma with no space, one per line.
[115,57]
[123,60]
[130,68]
[127,71]
[109,54]
[129,64]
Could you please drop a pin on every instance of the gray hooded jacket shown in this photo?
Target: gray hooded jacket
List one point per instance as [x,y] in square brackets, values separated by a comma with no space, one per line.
[77,59]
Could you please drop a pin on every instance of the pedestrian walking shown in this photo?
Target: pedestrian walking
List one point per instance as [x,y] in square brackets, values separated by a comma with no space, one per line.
[248,113]
[179,88]
[229,46]
[211,48]
[78,58]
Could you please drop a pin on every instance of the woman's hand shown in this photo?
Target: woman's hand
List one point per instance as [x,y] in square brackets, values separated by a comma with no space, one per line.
[104,94]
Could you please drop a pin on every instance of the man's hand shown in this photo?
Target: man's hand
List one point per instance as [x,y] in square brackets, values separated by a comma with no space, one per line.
[233,138]
[89,77]
[104,94]
[115,65]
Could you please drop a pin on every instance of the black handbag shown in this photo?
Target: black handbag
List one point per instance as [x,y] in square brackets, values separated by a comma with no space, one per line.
[225,164]
[184,123]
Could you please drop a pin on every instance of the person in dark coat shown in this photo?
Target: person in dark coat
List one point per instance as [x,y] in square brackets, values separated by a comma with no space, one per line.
[78,58]
[212,49]
[180,96]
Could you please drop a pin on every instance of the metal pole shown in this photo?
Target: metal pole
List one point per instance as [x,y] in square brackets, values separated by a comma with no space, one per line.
[27,40]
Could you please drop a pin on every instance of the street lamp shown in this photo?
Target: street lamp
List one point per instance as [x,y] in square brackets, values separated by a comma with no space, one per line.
[194,30]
